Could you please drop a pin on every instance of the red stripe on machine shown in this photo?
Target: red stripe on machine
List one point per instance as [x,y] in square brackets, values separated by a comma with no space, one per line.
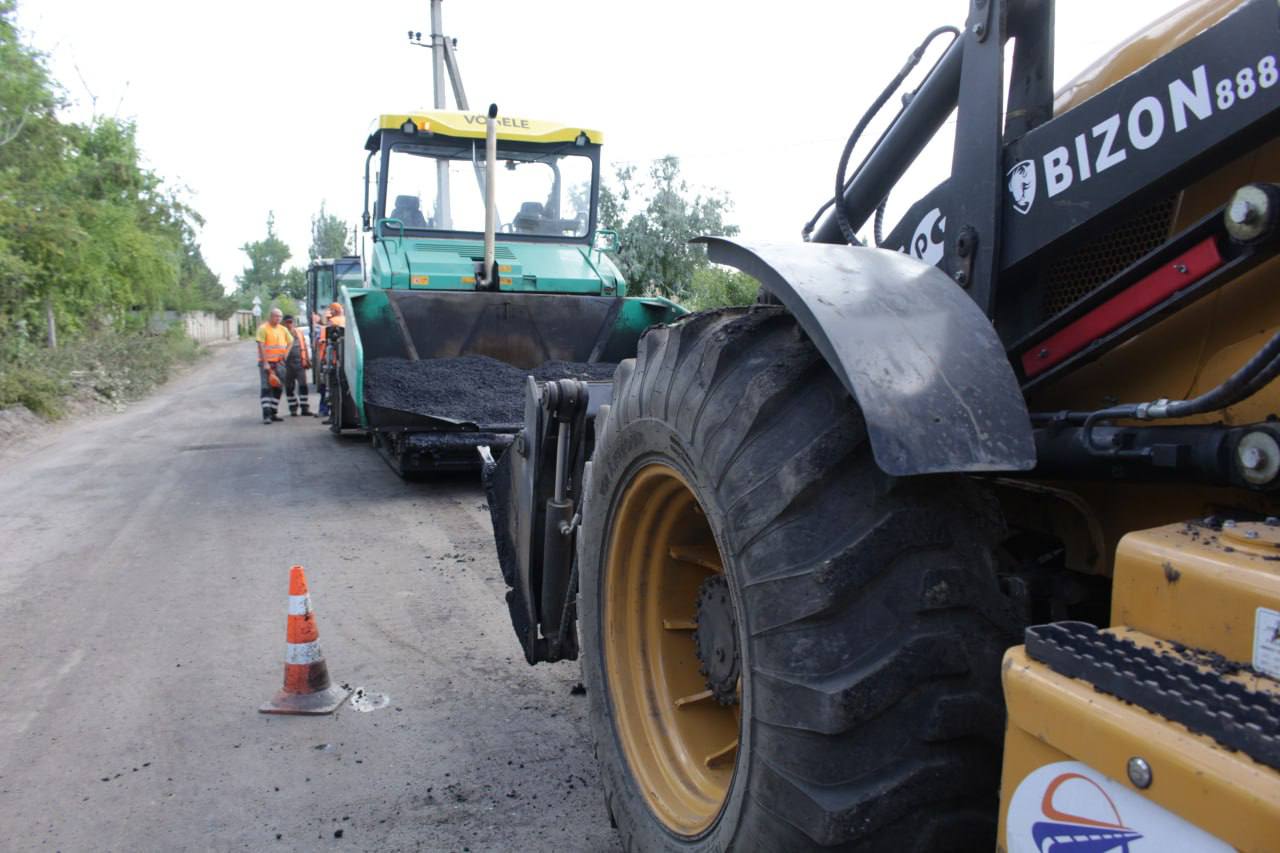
[1189,267]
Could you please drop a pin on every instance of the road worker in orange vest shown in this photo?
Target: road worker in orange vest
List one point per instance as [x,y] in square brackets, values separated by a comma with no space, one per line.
[296,365]
[326,356]
[336,317]
[273,345]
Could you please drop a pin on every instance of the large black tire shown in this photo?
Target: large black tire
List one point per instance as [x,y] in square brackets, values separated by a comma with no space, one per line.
[337,393]
[870,617]
[341,406]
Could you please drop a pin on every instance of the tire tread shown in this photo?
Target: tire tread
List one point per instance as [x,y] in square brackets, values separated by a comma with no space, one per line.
[875,620]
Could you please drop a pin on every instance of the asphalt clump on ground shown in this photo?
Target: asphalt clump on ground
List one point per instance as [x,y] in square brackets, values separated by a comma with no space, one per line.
[472,388]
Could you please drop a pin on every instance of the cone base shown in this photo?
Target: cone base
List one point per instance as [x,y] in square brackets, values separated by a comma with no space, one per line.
[321,702]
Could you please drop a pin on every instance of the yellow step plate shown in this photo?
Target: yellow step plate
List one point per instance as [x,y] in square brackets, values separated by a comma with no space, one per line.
[1067,782]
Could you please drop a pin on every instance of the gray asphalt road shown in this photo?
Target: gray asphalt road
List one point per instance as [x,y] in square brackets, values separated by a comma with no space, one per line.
[144,562]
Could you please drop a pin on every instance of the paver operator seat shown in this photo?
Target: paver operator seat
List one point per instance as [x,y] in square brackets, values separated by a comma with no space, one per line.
[408,210]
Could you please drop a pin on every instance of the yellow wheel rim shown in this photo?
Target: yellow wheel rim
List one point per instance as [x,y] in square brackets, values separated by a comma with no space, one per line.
[680,743]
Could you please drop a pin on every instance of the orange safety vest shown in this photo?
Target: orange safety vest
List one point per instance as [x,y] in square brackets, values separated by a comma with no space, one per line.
[322,346]
[275,341]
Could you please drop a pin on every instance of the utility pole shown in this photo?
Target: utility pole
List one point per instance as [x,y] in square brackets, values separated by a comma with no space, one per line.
[444,61]
[444,217]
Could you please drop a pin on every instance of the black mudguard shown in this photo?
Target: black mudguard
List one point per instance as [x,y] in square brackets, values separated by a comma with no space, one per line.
[921,359]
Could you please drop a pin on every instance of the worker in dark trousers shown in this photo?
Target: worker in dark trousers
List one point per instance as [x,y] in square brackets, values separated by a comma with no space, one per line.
[273,345]
[296,364]
[326,357]
[321,324]
[317,356]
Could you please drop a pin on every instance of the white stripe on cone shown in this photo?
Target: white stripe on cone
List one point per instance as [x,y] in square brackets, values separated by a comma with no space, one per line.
[303,652]
[299,605]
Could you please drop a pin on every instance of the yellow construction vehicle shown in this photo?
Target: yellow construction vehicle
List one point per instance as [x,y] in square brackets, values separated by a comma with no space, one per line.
[969,539]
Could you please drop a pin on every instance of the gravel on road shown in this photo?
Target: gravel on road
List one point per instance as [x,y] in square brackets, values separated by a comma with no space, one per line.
[143,593]
[470,388]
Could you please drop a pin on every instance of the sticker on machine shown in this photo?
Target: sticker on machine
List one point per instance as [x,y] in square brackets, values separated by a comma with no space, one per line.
[1068,807]
[1022,185]
[1266,642]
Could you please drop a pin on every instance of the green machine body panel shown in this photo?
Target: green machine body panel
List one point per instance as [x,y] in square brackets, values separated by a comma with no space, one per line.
[425,263]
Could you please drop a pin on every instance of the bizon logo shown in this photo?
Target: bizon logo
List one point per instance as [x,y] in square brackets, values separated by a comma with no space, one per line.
[1022,185]
[1068,807]
[1080,819]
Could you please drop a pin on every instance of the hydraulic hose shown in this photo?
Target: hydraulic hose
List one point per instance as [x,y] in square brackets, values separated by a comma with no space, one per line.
[841,184]
[1254,375]
[842,215]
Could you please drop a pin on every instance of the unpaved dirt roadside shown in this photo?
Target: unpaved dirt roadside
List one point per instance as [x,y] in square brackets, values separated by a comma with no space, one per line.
[143,579]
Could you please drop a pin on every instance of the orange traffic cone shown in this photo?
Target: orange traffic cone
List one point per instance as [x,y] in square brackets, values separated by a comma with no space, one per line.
[306,678]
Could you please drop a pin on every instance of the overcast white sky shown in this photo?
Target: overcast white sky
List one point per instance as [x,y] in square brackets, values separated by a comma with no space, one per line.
[265,105]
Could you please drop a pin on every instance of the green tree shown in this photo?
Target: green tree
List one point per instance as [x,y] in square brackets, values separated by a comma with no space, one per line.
[127,248]
[295,283]
[265,273]
[716,287]
[25,90]
[328,236]
[33,168]
[655,254]
[88,236]
[91,242]
[286,304]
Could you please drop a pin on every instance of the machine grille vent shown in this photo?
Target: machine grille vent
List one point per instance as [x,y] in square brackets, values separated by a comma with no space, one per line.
[1074,275]
[474,251]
